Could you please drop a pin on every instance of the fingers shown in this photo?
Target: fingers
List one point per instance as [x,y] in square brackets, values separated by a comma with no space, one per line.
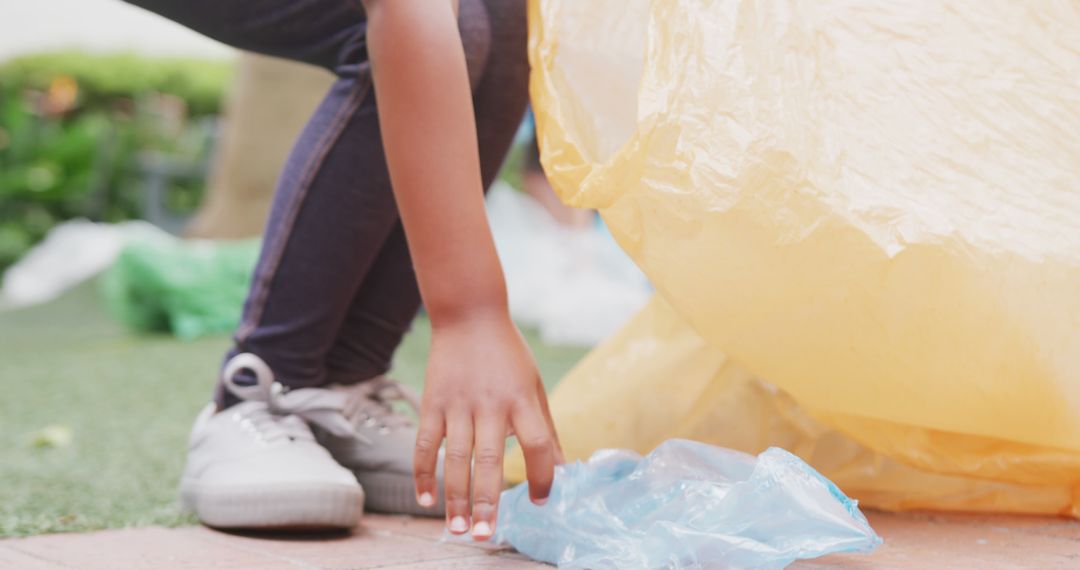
[487,474]
[542,396]
[456,471]
[537,443]
[429,438]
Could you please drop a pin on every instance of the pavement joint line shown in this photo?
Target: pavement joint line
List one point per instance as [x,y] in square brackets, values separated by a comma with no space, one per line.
[36,556]
[463,556]
[409,536]
[219,537]
[414,534]
[1036,532]
[223,538]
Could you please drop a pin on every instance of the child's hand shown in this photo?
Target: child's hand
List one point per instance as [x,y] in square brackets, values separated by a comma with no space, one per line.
[482,382]
[481,377]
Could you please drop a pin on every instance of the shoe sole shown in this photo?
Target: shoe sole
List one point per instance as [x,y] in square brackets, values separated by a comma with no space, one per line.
[275,507]
[392,493]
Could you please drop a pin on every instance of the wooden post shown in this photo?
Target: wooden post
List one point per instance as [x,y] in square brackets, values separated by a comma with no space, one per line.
[268,104]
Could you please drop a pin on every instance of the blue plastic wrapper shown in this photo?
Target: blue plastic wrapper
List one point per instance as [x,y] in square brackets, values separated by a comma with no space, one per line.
[685,505]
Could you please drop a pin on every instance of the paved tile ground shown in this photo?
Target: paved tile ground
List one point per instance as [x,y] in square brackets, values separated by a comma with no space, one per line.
[911,541]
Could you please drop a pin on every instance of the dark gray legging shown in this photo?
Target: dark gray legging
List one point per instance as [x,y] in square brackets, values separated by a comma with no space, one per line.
[334,290]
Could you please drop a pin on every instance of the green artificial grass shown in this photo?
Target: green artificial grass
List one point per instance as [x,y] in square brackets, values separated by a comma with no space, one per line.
[127,402]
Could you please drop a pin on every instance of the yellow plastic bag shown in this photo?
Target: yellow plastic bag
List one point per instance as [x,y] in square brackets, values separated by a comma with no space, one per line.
[875,206]
[657,379]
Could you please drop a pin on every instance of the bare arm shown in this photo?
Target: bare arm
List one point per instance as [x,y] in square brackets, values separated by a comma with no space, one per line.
[481,377]
[428,129]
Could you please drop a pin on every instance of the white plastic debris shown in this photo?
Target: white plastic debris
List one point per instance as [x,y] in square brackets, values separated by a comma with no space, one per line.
[573,284]
[71,253]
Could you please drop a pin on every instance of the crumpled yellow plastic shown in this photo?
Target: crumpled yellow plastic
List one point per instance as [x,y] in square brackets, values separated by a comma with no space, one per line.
[658,379]
[875,206]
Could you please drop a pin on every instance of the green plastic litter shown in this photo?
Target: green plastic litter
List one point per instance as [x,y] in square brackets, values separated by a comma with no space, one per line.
[188,288]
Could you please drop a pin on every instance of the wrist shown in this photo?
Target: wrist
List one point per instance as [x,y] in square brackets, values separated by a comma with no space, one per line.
[461,310]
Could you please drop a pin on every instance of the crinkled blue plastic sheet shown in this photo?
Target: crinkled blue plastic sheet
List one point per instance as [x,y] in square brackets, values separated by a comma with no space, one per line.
[685,505]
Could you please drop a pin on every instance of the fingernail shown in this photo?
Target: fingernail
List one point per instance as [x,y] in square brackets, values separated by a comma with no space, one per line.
[540,502]
[458,525]
[426,500]
[481,529]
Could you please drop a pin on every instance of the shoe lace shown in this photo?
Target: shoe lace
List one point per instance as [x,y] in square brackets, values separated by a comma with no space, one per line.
[371,403]
[285,407]
[269,426]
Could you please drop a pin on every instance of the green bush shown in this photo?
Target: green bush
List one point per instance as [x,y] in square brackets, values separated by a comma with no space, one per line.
[73,127]
[103,79]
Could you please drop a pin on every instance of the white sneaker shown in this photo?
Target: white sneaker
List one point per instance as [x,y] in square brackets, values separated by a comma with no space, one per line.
[379,451]
[257,464]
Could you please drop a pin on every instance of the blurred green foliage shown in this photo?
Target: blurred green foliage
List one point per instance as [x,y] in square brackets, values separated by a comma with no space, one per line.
[73,127]
[104,78]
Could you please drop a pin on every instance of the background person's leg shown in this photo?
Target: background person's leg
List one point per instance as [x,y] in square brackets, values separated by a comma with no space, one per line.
[388,299]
